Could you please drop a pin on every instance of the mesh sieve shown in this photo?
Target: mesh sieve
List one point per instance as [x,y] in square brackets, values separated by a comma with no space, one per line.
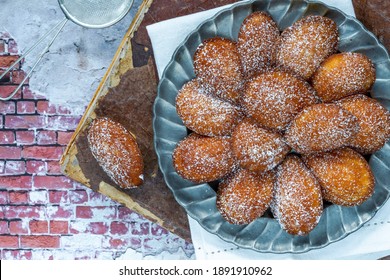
[95,13]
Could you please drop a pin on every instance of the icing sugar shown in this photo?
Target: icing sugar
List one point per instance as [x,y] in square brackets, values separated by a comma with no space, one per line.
[306,43]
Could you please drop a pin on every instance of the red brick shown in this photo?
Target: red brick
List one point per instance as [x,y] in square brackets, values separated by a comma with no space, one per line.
[63,122]
[157,230]
[2,46]
[2,167]
[140,228]
[88,212]
[12,47]
[97,228]
[10,152]
[7,60]
[16,254]
[17,227]
[53,167]
[59,227]
[46,137]
[4,197]
[25,137]
[36,167]
[42,241]
[23,182]
[126,214]
[18,76]
[25,255]
[61,110]
[59,212]
[20,197]
[90,227]
[38,226]
[15,167]
[58,197]
[45,107]
[23,211]
[7,137]
[116,243]
[28,94]
[7,107]
[84,212]
[64,137]
[25,107]
[25,122]
[53,182]
[9,241]
[7,90]
[4,227]
[78,196]
[39,152]
[118,228]
[98,198]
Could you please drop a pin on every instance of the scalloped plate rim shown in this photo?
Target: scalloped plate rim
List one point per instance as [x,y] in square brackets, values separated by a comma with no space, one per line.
[163,76]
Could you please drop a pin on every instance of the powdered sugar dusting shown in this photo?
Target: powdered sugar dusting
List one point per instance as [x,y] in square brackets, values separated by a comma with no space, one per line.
[258,149]
[344,175]
[116,151]
[218,68]
[255,99]
[203,159]
[306,43]
[257,43]
[274,98]
[343,74]
[204,113]
[297,200]
[244,196]
[321,127]
[374,123]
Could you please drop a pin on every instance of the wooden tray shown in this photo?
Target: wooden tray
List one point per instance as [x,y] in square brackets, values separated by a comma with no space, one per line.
[126,94]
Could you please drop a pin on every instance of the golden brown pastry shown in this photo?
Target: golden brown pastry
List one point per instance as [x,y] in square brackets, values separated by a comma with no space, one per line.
[297,200]
[218,67]
[204,113]
[321,127]
[244,196]
[256,148]
[374,122]
[274,98]
[344,175]
[306,43]
[116,151]
[343,74]
[203,159]
[257,43]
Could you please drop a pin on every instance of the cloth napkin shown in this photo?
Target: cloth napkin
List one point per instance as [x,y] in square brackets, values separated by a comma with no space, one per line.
[372,241]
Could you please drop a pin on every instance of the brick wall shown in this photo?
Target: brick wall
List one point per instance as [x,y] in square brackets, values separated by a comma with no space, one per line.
[43,214]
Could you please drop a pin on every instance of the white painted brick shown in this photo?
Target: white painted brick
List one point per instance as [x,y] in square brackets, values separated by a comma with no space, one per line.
[87,241]
[104,255]
[38,197]
[41,254]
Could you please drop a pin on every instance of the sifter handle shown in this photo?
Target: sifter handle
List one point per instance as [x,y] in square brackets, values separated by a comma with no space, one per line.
[58,26]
